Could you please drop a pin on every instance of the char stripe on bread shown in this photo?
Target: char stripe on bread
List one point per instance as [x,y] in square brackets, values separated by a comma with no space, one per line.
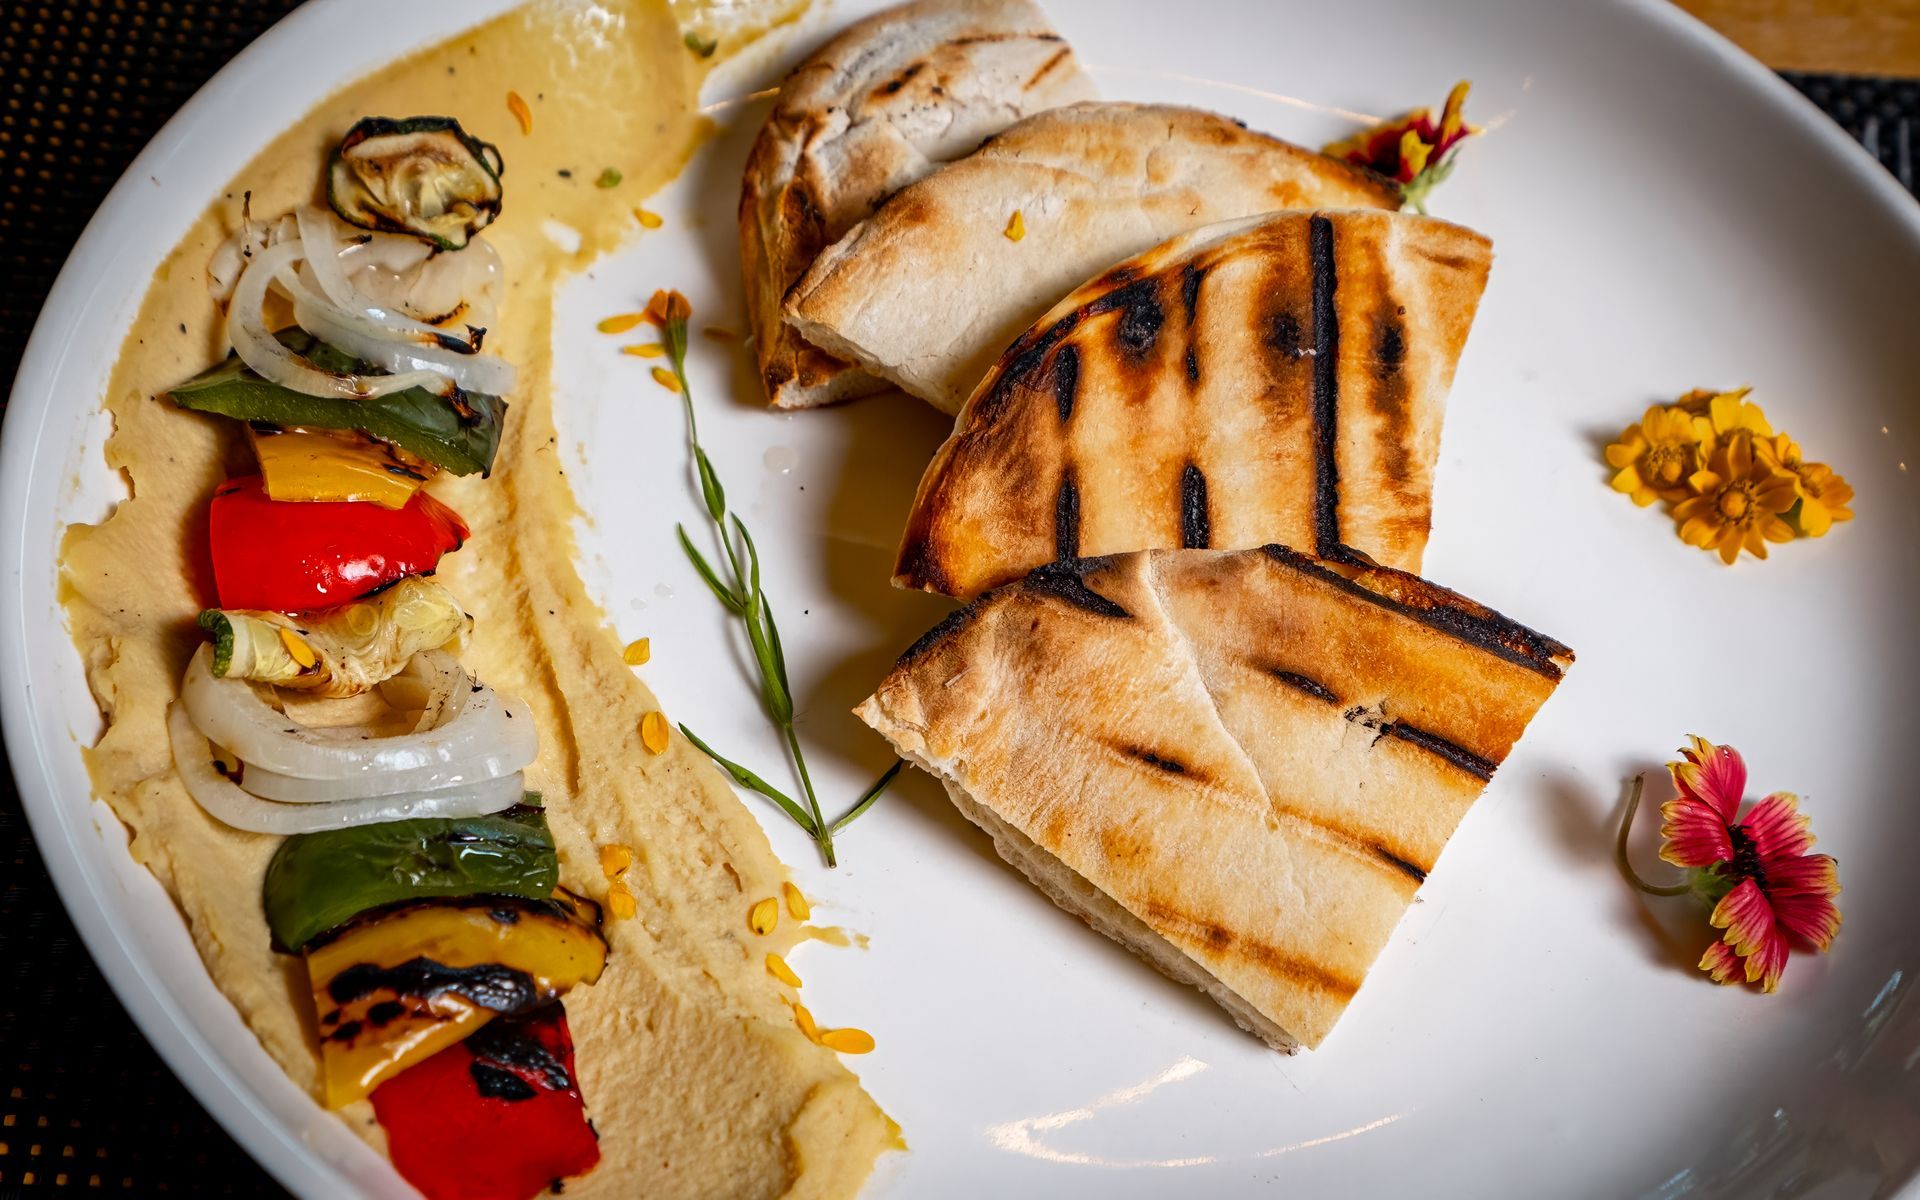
[1240,764]
[874,109]
[1278,379]
[1323,279]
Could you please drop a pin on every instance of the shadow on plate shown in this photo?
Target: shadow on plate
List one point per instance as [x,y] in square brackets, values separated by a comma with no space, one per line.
[1586,824]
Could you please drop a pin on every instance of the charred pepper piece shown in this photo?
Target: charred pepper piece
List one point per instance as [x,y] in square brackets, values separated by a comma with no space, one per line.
[326,465]
[320,881]
[497,1117]
[290,557]
[398,985]
[459,433]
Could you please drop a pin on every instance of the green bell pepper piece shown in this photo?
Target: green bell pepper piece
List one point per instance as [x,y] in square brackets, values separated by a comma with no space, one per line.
[320,881]
[459,435]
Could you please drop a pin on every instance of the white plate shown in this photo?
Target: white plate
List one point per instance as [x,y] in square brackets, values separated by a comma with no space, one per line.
[1666,214]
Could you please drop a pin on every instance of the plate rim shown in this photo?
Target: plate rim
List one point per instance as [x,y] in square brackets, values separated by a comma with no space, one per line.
[56,826]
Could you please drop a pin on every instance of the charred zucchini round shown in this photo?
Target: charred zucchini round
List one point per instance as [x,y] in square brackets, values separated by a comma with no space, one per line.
[422,176]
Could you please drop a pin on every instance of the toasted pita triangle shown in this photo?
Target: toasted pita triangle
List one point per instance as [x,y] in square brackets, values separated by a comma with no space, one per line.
[874,109]
[1276,379]
[930,289]
[1241,765]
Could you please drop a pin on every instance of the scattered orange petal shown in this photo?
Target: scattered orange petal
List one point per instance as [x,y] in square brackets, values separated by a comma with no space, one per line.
[796,902]
[647,350]
[778,968]
[297,647]
[614,859]
[666,379]
[804,1020]
[847,1041]
[764,917]
[620,902]
[1016,226]
[653,732]
[652,220]
[621,323]
[638,652]
[521,113]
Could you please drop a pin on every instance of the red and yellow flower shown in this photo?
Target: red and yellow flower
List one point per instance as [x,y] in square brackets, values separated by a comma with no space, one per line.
[1766,891]
[1414,149]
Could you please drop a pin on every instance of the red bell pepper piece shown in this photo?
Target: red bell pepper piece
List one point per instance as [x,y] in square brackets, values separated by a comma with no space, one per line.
[288,556]
[496,1117]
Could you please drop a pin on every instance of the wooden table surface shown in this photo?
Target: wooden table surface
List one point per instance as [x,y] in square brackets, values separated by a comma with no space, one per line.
[1856,37]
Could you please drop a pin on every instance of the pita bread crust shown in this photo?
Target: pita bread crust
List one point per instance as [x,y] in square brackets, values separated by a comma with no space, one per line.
[873,110]
[1256,755]
[1175,395]
[929,289]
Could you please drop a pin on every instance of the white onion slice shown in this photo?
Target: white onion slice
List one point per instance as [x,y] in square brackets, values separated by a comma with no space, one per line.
[472,773]
[260,350]
[226,801]
[367,339]
[477,722]
[320,230]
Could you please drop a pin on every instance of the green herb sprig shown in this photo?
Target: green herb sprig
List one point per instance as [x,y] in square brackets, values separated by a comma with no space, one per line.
[740,592]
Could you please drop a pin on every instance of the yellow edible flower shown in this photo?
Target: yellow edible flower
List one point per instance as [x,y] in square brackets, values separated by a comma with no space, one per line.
[1824,495]
[1721,415]
[1738,503]
[1655,457]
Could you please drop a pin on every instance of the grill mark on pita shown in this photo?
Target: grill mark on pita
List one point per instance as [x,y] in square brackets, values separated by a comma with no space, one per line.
[1047,67]
[1141,317]
[1301,683]
[903,79]
[1411,870]
[1283,335]
[1326,383]
[977,38]
[949,626]
[1171,766]
[1066,380]
[1366,849]
[1196,528]
[1067,581]
[1066,518]
[1461,757]
[1275,961]
[1387,389]
[1193,366]
[1438,608]
[1190,277]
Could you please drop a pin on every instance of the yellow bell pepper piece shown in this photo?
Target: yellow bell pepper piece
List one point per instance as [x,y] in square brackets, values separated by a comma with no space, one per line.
[302,464]
[401,986]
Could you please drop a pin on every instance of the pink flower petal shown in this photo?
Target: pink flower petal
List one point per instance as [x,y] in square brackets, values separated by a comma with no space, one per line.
[1802,892]
[1693,835]
[1714,774]
[1777,828]
[1746,916]
[1722,963]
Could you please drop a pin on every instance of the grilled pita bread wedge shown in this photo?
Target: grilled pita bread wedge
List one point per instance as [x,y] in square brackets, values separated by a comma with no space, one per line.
[1239,764]
[931,287]
[1280,378]
[873,110]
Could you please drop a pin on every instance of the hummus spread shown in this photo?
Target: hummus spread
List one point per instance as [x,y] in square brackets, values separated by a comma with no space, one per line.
[694,1073]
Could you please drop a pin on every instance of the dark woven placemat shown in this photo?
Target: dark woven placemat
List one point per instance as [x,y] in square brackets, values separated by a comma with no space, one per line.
[85,1105]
